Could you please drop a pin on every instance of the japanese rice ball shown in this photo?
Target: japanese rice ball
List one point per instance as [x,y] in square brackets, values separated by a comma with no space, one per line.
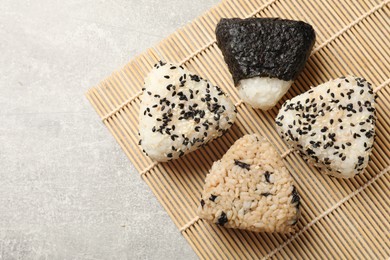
[332,125]
[180,112]
[250,188]
[264,55]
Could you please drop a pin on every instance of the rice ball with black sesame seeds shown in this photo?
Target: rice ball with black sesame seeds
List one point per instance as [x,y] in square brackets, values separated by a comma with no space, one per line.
[250,188]
[332,125]
[180,112]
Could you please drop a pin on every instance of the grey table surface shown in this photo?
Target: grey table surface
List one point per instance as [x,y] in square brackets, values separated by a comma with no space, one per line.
[67,191]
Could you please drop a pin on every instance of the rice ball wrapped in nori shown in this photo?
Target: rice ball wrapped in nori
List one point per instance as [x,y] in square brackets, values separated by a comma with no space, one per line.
[264,55]
[180,112]
[332,125]
[250,188]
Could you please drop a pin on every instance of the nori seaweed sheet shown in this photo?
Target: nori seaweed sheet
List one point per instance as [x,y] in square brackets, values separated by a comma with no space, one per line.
[265,47]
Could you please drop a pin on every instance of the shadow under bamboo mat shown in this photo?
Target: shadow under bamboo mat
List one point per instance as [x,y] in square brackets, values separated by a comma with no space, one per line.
[346,219]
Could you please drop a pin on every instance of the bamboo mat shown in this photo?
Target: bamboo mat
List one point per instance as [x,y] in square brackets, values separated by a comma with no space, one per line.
[346,219]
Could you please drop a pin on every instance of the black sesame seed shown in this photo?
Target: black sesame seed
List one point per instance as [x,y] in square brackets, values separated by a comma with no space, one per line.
[212,197]
[222,219]
[360,160]
[242,164]
[267,174]
[310,151]
[369,134]
[295,196]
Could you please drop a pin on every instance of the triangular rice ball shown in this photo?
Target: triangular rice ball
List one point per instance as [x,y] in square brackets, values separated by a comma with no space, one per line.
[332,125]
[180,112]
[250,188]
[264,55]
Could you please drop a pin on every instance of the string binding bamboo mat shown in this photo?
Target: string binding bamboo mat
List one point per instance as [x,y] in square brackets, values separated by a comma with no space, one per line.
[346,219]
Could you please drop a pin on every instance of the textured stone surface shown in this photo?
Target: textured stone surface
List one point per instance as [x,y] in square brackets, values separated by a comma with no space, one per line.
[67,190]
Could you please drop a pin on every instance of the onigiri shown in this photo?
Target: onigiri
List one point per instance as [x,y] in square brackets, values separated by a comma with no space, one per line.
[332,125]
[250,188]
[180,111]
[264,55]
